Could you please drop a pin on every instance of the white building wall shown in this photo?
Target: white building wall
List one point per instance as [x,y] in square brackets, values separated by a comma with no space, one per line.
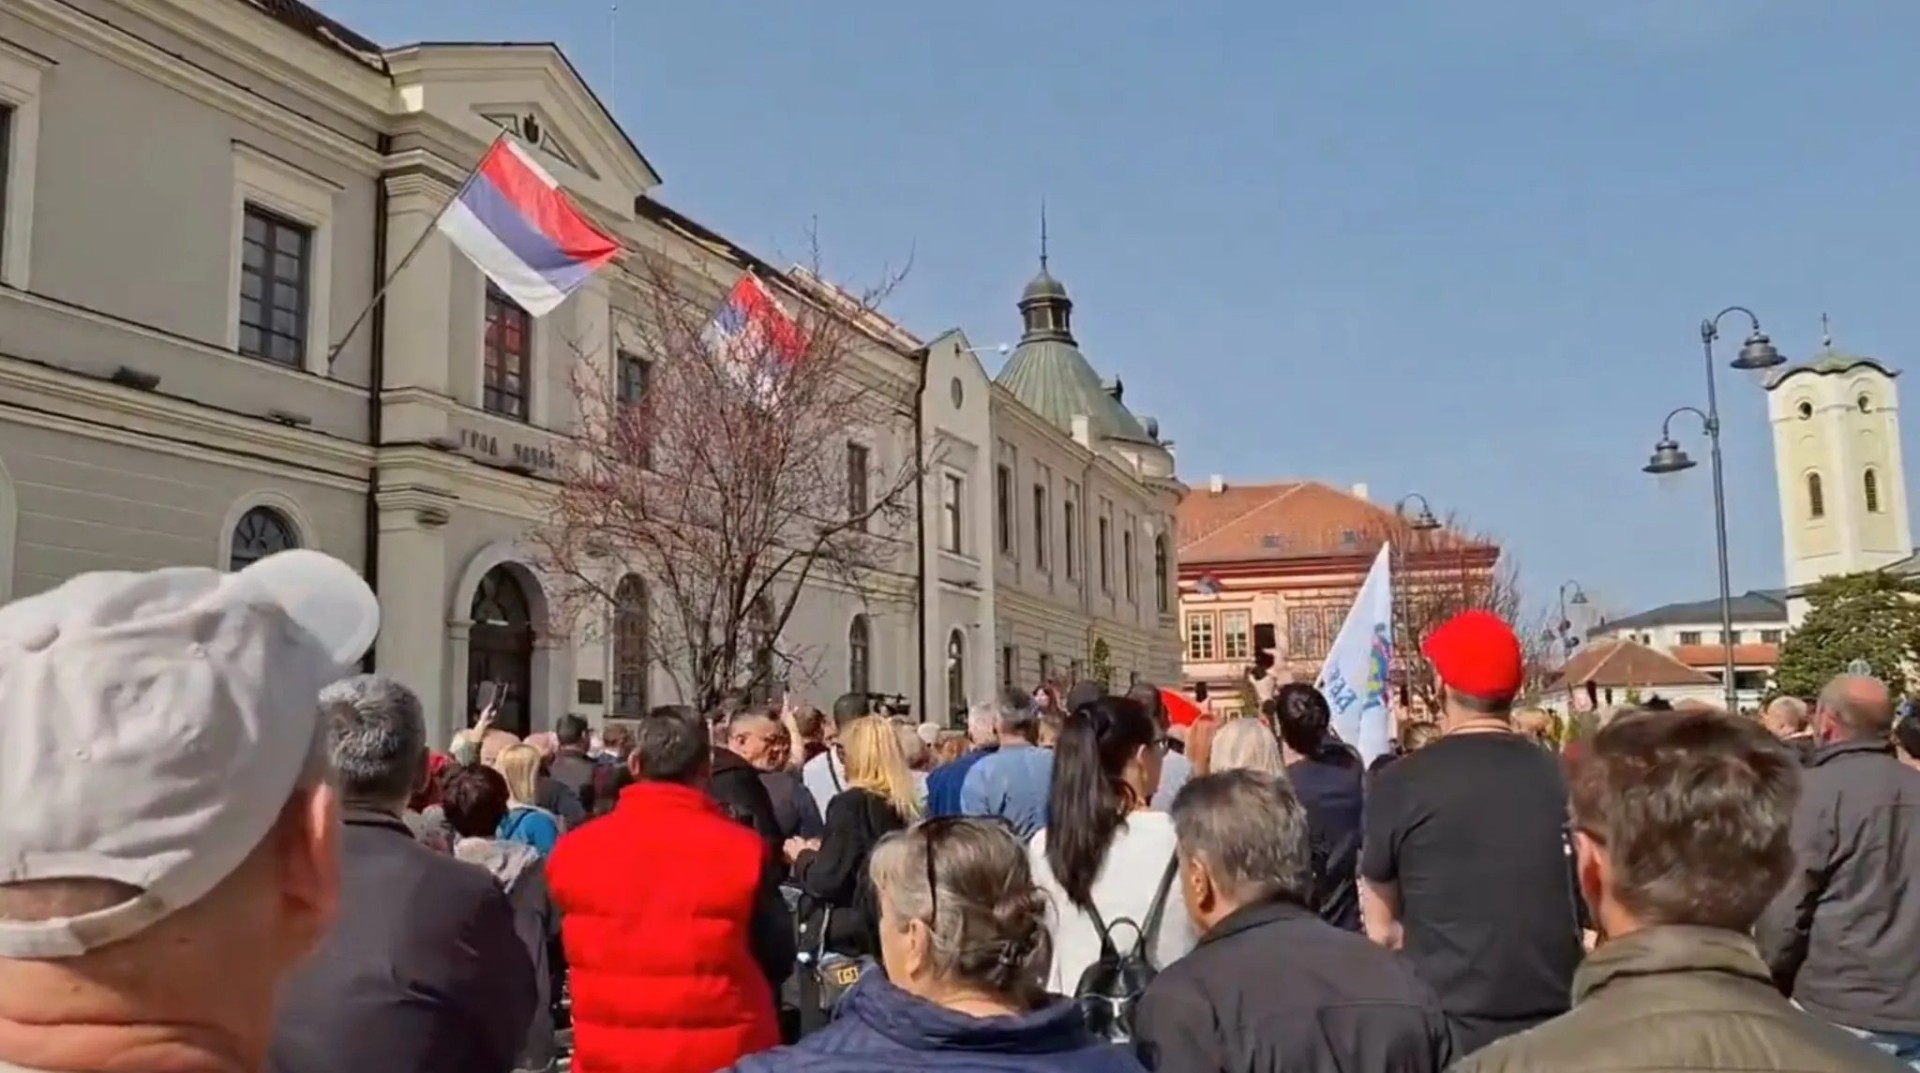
[112,271]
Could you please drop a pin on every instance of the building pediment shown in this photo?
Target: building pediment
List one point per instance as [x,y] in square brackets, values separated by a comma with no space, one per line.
[537,94]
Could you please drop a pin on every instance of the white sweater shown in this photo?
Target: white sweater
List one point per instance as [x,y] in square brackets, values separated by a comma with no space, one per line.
[1125,887]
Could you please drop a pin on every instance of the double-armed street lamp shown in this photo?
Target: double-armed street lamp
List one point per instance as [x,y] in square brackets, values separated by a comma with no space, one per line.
[1563,626]
[1422,522]
[1757,355]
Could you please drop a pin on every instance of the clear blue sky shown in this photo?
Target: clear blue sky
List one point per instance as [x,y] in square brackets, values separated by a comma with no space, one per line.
[1460,248]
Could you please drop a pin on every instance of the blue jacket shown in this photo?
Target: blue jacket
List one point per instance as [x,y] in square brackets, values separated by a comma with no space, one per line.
[882,1029]
[1012,784]
[944,783]
[534,827]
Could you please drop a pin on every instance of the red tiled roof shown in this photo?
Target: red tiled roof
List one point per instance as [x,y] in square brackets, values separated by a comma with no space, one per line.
[1711,655]
[1628,664]
[1293,520]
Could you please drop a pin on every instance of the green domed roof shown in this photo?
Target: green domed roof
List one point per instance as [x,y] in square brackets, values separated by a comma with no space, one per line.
[1044,286]
[1050,376]
[1053,379]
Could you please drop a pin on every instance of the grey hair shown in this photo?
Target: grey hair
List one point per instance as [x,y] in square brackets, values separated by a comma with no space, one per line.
[988,921]
[1250,831]
[377,737]
[1014,713]
[983,720]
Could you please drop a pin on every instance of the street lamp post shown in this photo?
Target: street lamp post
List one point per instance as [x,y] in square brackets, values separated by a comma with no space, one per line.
[1421,522]
[1565,625]
[1756,354]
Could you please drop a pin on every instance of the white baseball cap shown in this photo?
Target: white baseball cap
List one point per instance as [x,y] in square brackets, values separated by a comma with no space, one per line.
[153,725]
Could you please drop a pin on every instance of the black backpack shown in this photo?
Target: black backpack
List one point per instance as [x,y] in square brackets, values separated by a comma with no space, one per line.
[1111,987]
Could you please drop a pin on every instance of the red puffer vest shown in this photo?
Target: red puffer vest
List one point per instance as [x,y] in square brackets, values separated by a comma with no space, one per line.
[656,900]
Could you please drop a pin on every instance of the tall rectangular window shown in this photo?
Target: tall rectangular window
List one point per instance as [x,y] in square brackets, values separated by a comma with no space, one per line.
[1046,669]
[635,373]
[1200,636]
[1040,526]
[1070,519]
[509,350]
[633,376]
[1009,660]
[951,531]
[1003,506]
[275,262]
[1236,635]
[1126,561]
[1307,633]
[1106,564]
[6,166]
[859,463]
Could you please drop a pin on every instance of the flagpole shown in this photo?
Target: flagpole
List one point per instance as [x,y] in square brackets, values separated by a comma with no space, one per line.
[380,295]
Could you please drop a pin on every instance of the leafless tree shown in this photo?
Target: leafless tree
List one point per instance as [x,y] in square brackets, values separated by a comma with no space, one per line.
[1437,574]
[729,474]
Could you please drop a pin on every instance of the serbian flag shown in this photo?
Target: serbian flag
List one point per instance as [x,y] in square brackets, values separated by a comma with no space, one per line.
[513,220]
[756,339]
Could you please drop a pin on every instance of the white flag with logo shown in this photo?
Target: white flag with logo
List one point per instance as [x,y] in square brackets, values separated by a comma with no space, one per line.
[1354,678]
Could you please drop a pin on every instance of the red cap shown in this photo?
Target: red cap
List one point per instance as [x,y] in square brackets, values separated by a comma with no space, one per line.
[1475,653]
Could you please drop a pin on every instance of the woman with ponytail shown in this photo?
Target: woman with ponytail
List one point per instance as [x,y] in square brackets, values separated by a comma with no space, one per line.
[1105,854]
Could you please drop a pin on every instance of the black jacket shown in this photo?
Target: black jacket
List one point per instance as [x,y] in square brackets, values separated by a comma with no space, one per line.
[835,877]
[1841,935]
[574,769]
[735,785]
[1274,987]
[423,971]
[793,806]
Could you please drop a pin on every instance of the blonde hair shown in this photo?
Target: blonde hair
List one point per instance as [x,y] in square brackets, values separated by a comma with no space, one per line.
[1537,723]
[1246,745]
[876,762]
[519,764]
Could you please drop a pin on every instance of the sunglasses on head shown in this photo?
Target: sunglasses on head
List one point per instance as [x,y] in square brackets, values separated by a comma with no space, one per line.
[931,832]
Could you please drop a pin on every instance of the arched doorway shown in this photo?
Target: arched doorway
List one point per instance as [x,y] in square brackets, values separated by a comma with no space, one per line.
[500,647]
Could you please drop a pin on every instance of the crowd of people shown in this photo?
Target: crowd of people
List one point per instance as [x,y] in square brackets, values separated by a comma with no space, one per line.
[223,850]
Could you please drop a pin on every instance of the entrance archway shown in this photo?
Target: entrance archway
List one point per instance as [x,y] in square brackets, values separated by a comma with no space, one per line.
[500,646]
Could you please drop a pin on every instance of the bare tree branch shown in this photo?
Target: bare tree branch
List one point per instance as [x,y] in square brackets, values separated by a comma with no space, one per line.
[732,476]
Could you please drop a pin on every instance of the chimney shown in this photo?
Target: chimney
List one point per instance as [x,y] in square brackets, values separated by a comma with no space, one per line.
[1216,484]
[1360,490]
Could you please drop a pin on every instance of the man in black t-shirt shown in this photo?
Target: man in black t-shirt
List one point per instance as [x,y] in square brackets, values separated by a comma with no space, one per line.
[1465,865]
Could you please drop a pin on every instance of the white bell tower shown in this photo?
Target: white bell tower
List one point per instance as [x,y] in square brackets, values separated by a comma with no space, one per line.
[1836,456]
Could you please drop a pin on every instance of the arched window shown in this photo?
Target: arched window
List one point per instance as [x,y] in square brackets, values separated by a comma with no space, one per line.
[630,648]
[1160,565]
[859,656]
[760,641]
[260,532]
[957,673]
[1871,482]
[1816,497]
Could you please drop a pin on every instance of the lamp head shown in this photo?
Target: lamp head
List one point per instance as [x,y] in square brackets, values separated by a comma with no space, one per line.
[1758,353]
[1667,458]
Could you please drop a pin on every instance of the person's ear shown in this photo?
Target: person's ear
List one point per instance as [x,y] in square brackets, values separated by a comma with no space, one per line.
[919,950]
[306,846]
[1593,870]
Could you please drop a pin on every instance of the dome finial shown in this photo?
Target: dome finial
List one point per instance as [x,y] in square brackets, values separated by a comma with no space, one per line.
[1043,234]
[1826,331]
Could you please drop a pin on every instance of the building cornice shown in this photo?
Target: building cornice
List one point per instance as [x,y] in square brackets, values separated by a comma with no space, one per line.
[128,49]
[1476,558]
[127,408]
